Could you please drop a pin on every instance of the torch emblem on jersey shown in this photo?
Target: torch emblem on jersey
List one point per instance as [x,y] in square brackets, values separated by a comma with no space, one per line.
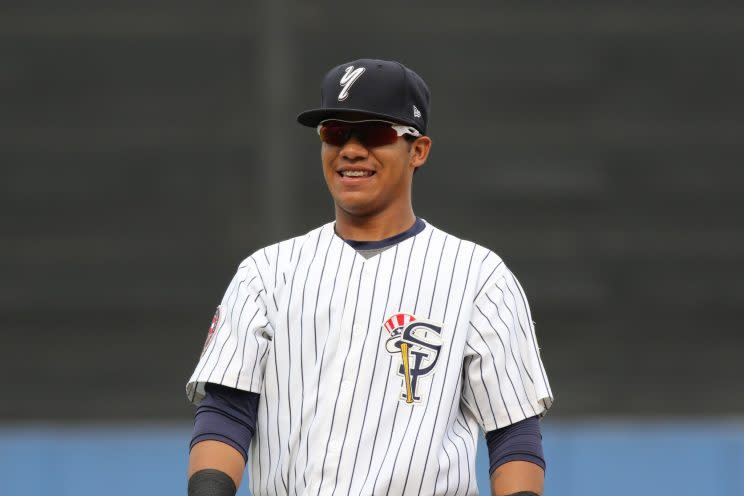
[348,79]
[212,328]
[418,342]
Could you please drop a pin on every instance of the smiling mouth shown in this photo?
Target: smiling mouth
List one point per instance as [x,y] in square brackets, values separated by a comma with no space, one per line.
[356,173]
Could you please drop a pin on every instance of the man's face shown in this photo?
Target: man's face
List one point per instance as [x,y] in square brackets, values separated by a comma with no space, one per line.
[381,178]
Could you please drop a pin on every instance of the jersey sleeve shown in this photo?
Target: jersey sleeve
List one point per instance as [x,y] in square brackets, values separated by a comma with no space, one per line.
[504,380]
[239,338]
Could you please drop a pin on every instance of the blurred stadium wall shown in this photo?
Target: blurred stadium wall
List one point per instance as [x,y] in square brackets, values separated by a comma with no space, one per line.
[147,147]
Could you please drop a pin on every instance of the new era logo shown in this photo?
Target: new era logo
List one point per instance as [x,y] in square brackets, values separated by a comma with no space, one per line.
[416,112]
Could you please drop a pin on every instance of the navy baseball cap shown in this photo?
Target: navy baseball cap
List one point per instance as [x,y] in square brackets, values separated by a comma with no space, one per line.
[382,89]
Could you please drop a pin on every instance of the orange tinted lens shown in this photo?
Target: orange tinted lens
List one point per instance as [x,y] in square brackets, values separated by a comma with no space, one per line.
[369,134]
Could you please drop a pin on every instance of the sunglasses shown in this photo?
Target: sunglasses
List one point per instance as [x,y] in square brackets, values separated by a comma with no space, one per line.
[370,133]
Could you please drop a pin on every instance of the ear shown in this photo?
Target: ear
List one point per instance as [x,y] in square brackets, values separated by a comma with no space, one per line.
[419,151]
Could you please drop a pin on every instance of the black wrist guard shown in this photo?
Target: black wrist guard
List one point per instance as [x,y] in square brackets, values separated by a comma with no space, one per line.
[524,493]
[211,482]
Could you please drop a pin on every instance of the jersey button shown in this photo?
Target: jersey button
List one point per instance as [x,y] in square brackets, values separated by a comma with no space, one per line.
[356,329]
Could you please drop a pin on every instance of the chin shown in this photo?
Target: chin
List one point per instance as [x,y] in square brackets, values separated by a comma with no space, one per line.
[358,210]
[357,207]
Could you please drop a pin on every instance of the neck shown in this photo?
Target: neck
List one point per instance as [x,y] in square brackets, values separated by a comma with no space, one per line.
[373,227]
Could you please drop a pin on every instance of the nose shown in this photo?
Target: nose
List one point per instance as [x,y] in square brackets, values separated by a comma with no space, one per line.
[353,150]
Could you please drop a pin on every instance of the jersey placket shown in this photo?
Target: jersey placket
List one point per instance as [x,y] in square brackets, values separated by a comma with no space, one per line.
[345,363]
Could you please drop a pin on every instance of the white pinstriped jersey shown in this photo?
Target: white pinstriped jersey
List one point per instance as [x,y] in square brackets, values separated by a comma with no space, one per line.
[374,374]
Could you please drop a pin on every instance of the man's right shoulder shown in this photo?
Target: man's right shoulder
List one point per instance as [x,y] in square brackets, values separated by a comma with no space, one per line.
[275,259]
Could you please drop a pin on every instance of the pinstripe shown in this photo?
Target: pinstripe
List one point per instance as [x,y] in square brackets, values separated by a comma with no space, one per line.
[263,283]
[449,423]
[237,344]
[485,388]
[224,342]
[467,453]
[466,366]
[256,443]
[449,290]
[446,368]
[343,367]
[356,380]
[261,358]
[302,347]
[315,336]
[410,412]
[268,444]
[276,420]
[317,297]
[387,382]
[289,362]
[279,396]
[289,343]
[516,317]
[258,348]
[450,430]
[421,277]
[477,295]
[322,357]
[245,339]
[291,258]
[463,458]
[436,278]
[509,341]
[374,368]
[276,265]
[446,474]
[217,333]
[459,458]
[390,359]
[526,307]
[524,367]
[493,358]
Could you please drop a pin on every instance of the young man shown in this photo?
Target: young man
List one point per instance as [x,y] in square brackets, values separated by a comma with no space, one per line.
[364,356]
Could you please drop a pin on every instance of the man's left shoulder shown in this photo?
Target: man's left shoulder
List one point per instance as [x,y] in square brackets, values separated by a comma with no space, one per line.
[481,255]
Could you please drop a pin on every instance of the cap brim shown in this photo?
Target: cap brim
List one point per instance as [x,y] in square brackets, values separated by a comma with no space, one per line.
[312,118]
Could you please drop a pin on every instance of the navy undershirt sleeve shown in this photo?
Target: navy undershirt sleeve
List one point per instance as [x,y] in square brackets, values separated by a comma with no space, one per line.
[521,441]
[227,415]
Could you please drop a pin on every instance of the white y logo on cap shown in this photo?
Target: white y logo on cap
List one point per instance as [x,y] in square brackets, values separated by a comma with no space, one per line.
[349,77]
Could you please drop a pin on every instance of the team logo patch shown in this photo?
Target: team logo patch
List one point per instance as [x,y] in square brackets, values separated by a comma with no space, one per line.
[418,343]
[349,78]
[212,327]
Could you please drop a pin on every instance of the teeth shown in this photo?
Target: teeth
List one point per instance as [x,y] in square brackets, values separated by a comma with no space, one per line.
[352,173]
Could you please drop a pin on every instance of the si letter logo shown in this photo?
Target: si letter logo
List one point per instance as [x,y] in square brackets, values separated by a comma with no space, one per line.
[348,79]
[418,342]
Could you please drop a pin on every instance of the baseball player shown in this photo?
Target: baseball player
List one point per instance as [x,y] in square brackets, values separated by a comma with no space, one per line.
[364,357]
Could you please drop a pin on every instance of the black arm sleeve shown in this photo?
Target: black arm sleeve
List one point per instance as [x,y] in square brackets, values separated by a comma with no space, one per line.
[227,415]
[519,441]
[211,482]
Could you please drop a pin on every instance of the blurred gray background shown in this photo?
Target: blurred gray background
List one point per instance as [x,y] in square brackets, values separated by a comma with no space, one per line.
[147,147]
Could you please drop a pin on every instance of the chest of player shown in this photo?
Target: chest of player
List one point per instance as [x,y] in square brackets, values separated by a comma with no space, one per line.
[344,325]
